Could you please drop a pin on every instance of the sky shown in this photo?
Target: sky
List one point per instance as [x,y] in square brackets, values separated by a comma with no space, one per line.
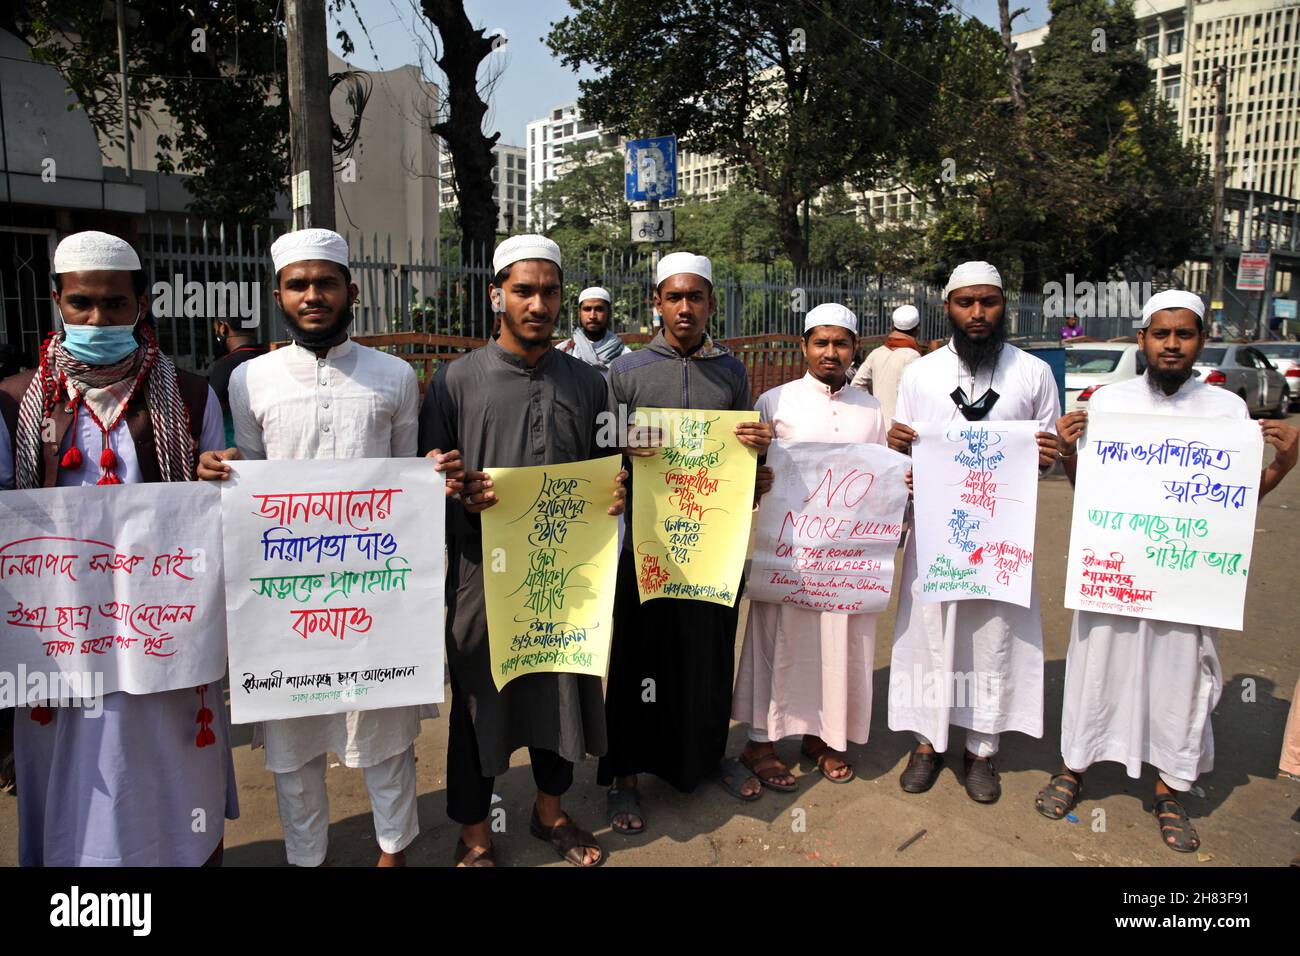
[531,81]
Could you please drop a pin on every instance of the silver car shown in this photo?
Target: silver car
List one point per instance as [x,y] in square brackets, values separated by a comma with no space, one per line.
[1285,357]
[1243,369]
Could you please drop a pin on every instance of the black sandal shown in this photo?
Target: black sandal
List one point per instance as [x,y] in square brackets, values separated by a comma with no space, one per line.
[1180,827]
[1051,803]
[568,839]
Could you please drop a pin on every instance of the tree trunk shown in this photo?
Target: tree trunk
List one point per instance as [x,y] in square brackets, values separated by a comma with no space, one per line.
[790,231]
[1005,16]
[464,47]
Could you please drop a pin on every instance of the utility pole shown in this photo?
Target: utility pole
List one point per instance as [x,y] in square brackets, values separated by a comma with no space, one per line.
[119,10]
[1217,237]
[310,142]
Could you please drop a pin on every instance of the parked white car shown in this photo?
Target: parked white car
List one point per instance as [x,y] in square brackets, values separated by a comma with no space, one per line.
[1285,357]
[1090,365]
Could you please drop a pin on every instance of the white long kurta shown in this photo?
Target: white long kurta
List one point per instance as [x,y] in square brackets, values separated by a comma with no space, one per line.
[803,671]
[942,649]
[355,402]
[1141,691]
[127,787]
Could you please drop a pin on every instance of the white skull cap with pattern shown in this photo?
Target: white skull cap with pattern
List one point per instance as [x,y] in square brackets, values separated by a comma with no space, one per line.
[303,245]
[92,251]
[906,318]
[973,273]
[676,263]
[831,313]
[595,292]
[1171,299]
[520,247]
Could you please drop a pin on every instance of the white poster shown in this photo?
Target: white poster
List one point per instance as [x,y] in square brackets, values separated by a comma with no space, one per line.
[110,588]
[827,532]
[334,585]
[976,486]
[1164,517]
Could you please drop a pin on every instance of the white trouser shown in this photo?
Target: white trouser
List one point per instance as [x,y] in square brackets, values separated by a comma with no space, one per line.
[1177,784]
[978,743]
[305,811]
[759,736]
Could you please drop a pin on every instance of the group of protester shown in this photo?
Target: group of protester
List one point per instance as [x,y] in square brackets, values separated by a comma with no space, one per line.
[106,406]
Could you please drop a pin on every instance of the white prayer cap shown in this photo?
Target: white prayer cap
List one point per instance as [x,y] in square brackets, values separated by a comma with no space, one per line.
[524,247]
[906,318]
[93,251]
[678,262]
[1171,299]
[595,292]
[972,273]
[831,313]
[307,244]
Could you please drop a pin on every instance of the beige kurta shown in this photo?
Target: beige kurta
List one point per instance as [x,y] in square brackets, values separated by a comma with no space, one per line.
[801,671]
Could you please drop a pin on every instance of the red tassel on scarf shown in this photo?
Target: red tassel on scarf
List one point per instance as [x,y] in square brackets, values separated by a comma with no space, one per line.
[205,737]
[109,479]
[71,458]
[41,715]
[107,460]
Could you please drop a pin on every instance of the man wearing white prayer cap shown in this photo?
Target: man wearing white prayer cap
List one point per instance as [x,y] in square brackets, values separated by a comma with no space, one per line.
[687,647]
[121,782]
[997,645]
[1137,690]
[325,397]
[882,371]
[515,402]
[808,672]
[593,342]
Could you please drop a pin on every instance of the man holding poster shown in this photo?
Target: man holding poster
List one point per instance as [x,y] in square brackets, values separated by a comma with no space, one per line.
[668,700]
[326,397]
[124,786]
[513,403]
[1139,690]
[807,671]
[977,663]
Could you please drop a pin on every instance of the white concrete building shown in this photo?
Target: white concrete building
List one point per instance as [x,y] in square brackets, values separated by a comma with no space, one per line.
[511,178]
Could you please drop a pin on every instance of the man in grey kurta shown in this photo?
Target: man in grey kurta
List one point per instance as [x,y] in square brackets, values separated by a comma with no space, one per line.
[514,402]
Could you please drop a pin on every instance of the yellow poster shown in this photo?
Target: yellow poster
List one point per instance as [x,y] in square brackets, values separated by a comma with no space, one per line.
[550,558]
[693,504]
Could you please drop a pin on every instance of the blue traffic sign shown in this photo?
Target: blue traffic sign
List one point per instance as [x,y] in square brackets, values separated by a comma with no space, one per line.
[650,168]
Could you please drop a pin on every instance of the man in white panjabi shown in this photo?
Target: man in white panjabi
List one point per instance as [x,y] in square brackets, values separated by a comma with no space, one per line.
[975,664]
[803,671]
[1137,690]
[882,371]
[326,397]
[593,342]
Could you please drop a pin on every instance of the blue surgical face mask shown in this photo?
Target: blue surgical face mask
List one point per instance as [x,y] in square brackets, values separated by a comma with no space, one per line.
[100,344]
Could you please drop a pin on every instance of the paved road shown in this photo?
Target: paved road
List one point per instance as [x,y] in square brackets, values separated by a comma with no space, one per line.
[1247,816]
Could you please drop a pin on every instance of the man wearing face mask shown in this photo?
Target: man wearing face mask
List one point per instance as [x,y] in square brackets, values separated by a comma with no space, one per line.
[106,407]
[992,647]
[326,397]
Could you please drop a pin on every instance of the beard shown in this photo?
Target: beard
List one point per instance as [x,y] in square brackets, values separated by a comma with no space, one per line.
[1167,381]
[976,353]
[317,338]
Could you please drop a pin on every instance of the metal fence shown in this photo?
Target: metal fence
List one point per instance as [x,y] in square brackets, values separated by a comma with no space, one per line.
[430,289]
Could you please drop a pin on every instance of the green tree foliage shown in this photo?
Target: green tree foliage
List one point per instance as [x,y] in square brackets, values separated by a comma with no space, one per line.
[584,206]
[224,86]
[803,95]
[1091,178]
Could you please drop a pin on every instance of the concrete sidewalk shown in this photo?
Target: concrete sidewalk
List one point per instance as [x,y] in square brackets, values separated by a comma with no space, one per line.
[1247,816]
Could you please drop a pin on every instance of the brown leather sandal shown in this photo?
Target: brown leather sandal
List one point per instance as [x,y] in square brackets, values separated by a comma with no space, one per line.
[568,839]
[464,856]
[819,756]
[767,767]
